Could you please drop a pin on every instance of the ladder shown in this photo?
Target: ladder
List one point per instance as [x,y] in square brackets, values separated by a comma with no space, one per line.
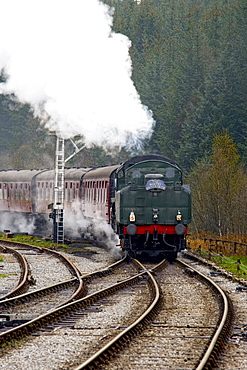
[58,207]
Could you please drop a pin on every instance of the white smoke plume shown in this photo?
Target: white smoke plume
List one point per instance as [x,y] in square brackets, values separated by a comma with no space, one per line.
[16,223]
[62,57]
[76,226]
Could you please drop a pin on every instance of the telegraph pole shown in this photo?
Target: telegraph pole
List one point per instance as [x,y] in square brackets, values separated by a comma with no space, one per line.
[58,205]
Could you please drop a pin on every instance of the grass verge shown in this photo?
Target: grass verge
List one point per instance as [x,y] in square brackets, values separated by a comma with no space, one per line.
[237,265]
[29,239]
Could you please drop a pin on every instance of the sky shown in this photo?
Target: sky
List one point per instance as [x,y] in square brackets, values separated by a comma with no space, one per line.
[63,58]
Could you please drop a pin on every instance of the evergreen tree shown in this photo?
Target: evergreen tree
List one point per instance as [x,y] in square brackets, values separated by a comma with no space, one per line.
[189,67]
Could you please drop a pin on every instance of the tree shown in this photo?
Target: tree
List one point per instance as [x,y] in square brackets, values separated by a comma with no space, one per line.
[219,190]
[189,69]
[228,184]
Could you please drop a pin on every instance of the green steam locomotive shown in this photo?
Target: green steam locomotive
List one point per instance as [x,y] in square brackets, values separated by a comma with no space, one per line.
[152,207]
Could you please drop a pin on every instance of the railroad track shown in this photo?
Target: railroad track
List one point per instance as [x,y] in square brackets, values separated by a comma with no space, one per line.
[234,356]
[222,330]
[65,318]
[23,308]
[25,272]
[173,340]
[25,254]
[63,323]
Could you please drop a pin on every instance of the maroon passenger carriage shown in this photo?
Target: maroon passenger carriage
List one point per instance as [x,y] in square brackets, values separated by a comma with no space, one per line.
[17,204]
[30,194]
[98,192]
[15,191]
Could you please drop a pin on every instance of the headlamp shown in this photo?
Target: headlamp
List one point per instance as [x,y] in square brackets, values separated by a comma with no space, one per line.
[132,217]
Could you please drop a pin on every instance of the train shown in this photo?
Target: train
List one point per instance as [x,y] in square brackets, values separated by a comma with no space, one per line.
[143,199]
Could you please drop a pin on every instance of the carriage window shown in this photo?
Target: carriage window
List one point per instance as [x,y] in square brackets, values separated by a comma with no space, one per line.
[21,192]
[71,192]
[25,192]
[66,192]
[86,190]
[43,192]
[16,192]
[11,191]
[77,190]
[47,191]
[170,173]
[94,191]
[90,191]
[136,174]
[5,191]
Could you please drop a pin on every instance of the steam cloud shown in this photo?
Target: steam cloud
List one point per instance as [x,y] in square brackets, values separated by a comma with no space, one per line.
[16,223]
[62,57]
[76,226]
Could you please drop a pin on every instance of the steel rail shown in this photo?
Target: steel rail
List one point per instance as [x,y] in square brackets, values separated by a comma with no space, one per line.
[79,293]
[108,348]
[85,278]
[192,255]
[106,271]
[24,275]
[53,315]
[72,268]
[208,359]
[10,302]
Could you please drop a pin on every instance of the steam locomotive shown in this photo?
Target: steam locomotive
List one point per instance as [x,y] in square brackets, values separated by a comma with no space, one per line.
[143,199]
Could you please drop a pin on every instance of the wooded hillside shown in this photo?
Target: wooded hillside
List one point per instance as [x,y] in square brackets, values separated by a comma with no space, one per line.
[189,67]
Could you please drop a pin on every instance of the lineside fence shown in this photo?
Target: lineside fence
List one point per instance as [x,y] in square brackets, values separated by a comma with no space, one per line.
[218,246]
